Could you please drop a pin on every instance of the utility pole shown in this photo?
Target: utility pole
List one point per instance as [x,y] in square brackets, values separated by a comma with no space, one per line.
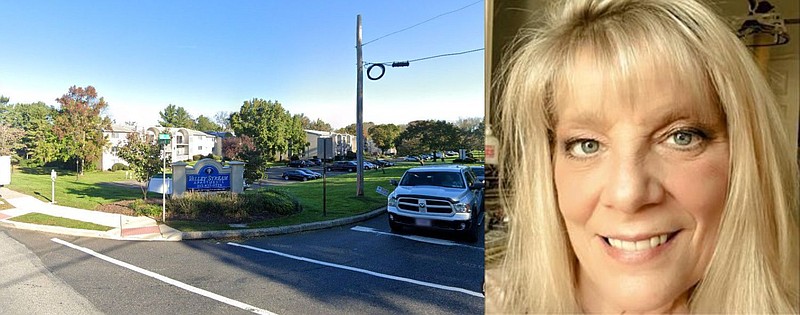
[359,112]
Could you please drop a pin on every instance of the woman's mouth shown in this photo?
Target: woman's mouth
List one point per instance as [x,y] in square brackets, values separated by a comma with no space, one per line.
[645,244]
[640,249]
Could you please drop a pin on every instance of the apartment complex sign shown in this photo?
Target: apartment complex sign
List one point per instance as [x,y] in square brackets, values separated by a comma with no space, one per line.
[207,175]
[208,178]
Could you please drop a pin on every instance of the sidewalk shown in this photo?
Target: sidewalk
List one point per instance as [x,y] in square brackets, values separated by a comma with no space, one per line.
[141,228]
[123,227]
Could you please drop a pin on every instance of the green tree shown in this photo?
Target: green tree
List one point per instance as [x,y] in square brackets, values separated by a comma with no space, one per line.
[9,139]
[204,123]
[175,117]
[351,129]
[266,122]
[384,135]
[432,136]
[39,141]
[472,132]
[79,126]
[318,125]
[143,157]
[298,141]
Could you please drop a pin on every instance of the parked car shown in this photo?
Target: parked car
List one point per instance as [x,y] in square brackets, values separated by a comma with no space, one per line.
[447,197]
[300,163]
[382,163]
[479,173]
[348,166]
[411,158]
[312,173]
[296,174]
[369,166]
[451,153]
[316,161]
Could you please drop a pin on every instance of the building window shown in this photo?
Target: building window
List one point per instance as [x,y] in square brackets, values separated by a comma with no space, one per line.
[200,148]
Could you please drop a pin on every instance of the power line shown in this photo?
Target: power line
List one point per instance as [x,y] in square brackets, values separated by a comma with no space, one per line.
[382,65]
[423,22]
[389,63]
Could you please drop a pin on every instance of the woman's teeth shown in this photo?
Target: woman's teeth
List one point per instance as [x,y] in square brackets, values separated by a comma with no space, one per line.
[638,245]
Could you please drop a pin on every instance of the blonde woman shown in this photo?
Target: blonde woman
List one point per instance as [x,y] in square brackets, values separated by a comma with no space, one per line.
[644,168]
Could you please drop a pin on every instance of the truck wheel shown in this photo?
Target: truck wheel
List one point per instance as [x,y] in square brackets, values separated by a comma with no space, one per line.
[394,226]
[471,235]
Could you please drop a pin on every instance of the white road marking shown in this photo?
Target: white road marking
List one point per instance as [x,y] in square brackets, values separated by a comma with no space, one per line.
[364,271]
[159,277]
[414,237]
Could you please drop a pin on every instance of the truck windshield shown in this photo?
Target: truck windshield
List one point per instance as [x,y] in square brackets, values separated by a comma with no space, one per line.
[441,179]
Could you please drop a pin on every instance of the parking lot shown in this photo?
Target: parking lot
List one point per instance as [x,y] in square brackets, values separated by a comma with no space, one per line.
[274,175]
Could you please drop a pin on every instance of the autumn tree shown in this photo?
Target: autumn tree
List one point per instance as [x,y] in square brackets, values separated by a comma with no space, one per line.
[204,123]
[351,129]
[175,117]
[80,126]
[143,157]
[233,147]
[384,135]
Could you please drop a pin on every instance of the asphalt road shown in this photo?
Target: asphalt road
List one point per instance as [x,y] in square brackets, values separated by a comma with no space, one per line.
[357,269]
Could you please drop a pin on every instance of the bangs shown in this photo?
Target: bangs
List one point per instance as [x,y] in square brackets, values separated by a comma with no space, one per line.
[629,48]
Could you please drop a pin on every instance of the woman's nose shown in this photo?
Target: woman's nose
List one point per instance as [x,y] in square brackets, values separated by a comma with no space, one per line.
[632,185]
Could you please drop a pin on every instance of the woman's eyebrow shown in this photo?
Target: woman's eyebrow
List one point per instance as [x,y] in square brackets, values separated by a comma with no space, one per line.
[591,118]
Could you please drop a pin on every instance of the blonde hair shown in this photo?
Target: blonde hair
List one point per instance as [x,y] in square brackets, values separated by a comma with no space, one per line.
[754,265]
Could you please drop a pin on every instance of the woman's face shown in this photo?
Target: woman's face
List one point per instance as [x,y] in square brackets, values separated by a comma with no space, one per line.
[642,178]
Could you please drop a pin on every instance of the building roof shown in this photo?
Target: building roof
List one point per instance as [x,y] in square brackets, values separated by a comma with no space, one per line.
[189,132]
[120,128]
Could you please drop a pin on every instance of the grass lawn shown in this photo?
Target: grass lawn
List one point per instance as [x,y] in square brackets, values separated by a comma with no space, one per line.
[87,193]
[43,219]
[341,198]
[93,189]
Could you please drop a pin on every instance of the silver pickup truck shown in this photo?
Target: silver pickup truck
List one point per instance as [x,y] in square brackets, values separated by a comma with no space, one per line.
[446,197]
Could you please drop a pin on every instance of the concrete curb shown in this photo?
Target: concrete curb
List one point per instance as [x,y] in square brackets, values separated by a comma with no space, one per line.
[283,229]
[57,230]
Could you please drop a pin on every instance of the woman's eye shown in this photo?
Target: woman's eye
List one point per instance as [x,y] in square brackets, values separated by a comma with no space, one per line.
[583,147]
[684,138]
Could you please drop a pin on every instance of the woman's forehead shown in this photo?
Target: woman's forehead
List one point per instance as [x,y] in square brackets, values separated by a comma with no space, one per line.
[591,84]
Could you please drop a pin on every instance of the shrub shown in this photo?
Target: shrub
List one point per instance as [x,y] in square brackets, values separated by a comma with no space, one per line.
[119,167]
[141,207]
[229,207]
[197,157]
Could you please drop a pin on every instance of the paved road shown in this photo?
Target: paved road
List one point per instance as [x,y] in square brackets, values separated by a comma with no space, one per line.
[361,268]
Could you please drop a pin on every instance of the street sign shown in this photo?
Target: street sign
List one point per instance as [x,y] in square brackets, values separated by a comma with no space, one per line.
[382,191]
[163,138]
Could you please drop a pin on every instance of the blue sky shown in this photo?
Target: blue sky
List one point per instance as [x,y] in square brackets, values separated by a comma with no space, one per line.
[210,56]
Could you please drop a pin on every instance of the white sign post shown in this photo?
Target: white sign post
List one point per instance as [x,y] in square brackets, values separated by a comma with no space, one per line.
[164,139]
[53,176]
